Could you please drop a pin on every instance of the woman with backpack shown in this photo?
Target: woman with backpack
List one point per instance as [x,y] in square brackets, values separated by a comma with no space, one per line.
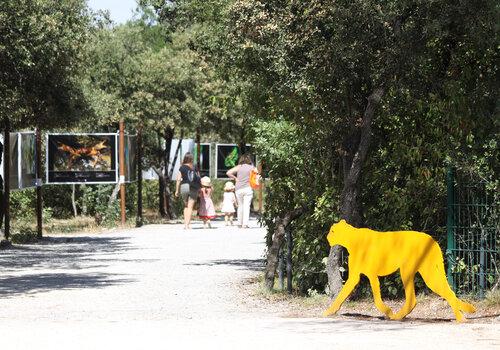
[188,185]
[242,174]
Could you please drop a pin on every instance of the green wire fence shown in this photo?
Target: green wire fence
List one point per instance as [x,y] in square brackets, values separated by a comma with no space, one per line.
[473,249]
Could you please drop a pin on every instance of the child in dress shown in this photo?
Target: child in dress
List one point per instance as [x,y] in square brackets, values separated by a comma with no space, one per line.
[206,212]
[229,203]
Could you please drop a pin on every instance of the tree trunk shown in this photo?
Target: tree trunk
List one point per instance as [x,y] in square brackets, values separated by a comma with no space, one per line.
[161,186]
[350,206]
[282,222]
[73,200]
[139,216]
[167,175]
[159,171]
[168,136]
[198,149]
[84,200]
[114,195]
[174,161]
[242,145]
[2,209]
[167,197]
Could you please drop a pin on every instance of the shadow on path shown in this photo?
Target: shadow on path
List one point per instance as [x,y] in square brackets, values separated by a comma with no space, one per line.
[62,252]
[29,268]
[241,264]
[11,286]
[338,326]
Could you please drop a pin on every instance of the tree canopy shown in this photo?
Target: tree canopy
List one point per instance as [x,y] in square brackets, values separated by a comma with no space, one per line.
[41,55]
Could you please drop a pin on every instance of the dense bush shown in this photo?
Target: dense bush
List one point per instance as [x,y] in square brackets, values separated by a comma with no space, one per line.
[58,197]
[91,200]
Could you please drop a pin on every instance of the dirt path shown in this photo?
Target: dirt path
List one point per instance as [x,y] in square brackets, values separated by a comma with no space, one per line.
[163,287]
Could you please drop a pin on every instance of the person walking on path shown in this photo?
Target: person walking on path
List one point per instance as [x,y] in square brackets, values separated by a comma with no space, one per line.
[244,193]
[229,202]
[206,211]
[188,185]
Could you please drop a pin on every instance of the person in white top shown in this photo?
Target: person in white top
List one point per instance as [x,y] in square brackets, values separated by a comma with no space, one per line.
[229,203]
[244,193]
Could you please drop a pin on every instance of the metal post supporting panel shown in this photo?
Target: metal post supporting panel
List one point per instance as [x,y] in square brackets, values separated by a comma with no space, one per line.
[122,172]
[6,177]
[450,226]
[139,220]
[38,184]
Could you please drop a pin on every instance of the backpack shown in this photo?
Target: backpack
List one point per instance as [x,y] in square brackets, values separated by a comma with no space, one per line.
[254,180]
[193,179]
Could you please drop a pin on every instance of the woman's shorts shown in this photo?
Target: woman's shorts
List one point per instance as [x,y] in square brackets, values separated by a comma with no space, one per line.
[187,191]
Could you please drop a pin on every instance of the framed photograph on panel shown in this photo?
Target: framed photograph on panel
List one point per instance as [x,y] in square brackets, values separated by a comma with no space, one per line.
[205,159]
[82,158]
[22,160]
[227,157]
[27,159]
[187,145]
[130,158]
[14,160]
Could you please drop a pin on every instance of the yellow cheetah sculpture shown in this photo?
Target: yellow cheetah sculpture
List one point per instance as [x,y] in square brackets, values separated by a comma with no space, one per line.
[377,254]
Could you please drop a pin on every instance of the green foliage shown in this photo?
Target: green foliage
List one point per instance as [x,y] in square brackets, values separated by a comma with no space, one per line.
[47,215]
[96,198]
[291,77]
[58,198]
[23,232]
[160,85]
[150,194]
[23,205]
[25,235]
[311,67]
[297,162]
[218,192]
[493,298]
[41,51]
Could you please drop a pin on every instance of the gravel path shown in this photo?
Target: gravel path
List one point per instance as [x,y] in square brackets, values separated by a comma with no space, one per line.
[163,287]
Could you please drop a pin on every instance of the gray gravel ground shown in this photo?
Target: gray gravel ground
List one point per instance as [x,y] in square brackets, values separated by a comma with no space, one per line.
[163,287]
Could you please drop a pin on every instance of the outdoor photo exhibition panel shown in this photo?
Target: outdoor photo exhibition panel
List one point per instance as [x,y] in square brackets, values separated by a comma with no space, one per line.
[130,158]
[204,166]
[14,161]
[82,158]
[227,157]
[22,172]
[187,145]
[27,159]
